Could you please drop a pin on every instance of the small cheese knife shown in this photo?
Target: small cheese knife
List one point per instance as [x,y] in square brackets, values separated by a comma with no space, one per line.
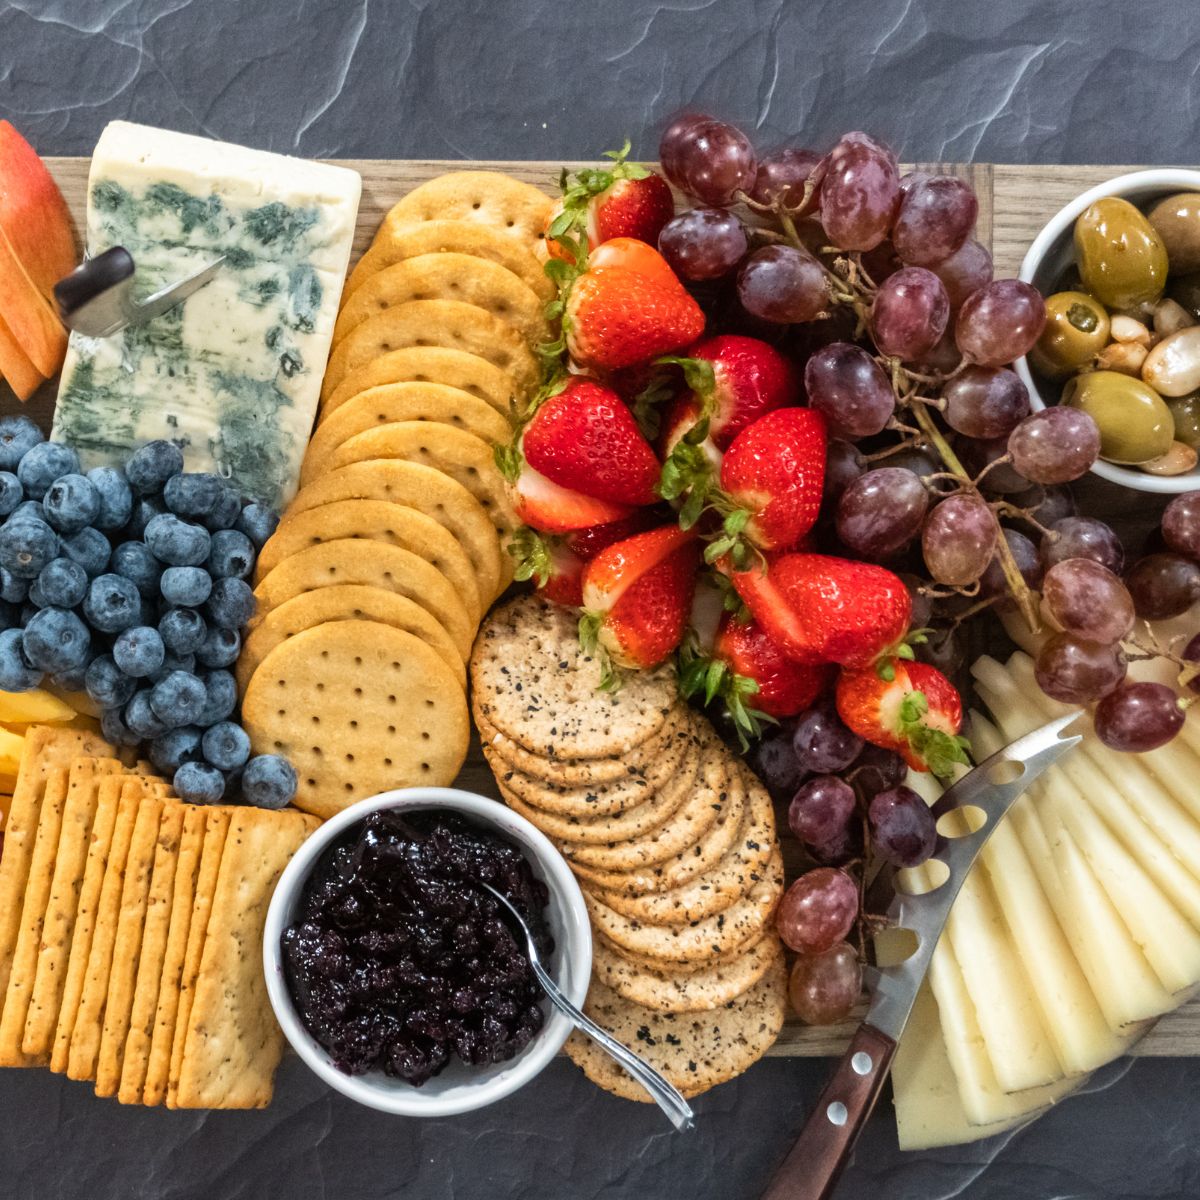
[97,298]
[813,1165]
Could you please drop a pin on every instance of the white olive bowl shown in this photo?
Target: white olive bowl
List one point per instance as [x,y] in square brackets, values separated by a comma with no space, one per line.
[1053,252]
[459,1088]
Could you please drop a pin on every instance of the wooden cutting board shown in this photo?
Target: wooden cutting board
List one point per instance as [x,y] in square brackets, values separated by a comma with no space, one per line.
[1014,203]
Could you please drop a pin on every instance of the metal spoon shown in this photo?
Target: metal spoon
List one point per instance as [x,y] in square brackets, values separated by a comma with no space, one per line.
[664,1095]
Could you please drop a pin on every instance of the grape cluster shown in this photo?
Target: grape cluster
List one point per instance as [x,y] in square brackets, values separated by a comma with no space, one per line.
[131,585]
[845,799]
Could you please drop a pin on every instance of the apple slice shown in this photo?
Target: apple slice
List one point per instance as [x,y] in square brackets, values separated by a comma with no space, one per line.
[18,372]
[33,213]
[28,315]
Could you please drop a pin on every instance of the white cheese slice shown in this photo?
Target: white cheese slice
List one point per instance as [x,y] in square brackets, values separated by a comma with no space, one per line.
[233,374]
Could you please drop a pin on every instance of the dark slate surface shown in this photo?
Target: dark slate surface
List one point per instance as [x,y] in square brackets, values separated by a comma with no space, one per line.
[997,80]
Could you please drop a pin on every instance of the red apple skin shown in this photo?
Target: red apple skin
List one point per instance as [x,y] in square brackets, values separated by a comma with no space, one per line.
[33,213]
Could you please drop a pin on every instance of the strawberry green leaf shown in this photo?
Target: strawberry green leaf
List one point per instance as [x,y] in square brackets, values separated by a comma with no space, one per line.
[714,677]
[885,669]
[589,631]
[509,460]
[697,374]
[532,555]
[939,750]
[736,521]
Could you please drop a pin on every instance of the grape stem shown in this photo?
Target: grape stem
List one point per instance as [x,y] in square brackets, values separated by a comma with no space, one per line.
[837,283]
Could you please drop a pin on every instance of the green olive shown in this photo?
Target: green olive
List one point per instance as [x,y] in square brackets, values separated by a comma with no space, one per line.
[1076,330]
[1185,290]
[1185,412]
[1135,423]
[1176,220]
[1122,260]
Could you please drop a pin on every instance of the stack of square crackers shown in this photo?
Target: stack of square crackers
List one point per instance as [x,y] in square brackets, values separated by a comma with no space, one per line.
[373,586]
[131,930]
[671,838]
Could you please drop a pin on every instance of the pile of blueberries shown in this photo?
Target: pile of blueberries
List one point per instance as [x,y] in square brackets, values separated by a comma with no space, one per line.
[131,585]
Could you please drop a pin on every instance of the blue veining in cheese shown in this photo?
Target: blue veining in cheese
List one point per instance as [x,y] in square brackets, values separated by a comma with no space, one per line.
[234,373]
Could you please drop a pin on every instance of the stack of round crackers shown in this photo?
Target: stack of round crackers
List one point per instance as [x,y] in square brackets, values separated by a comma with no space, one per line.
[672,840]
[372,588]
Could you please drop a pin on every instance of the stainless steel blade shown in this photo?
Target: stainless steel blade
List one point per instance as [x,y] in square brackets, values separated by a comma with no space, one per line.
[992,787]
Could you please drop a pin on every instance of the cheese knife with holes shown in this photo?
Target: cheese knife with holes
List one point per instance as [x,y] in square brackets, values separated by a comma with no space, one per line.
[813,1165]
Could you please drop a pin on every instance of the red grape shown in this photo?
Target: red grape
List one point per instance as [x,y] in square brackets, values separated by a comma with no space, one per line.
[709,159]
[818,910]
[1000,322]
[880,262]
[844,463]
[859,192]
[977,453]
[774,761]
[876,768]
[846,385]
[944,357]
[782,285]
[1163,586]
[821,810]
[823,988]
[985,402]
[882,511]
[1181,524]
[946,649]
[937,213]
[1138,716]
[1088,600]
[822,742]
[1076,671]
[1191,653]
[902,826]
[1047,505]
[703,243]
[1055,445]
[1025,554]
[841,849]
[959,539]
[782,175]
[964,272]
[910,314]
[922,604]
[1082,537]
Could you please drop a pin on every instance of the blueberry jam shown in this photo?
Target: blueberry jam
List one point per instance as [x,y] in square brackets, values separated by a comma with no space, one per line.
[397,961]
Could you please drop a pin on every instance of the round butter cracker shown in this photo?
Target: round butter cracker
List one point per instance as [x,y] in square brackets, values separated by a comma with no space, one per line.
[490,198]
[358,708]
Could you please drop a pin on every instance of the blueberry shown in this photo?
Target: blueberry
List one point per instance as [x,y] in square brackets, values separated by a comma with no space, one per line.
[133,561]
[114,729]
[139,651]
[11,492]
[178,698]
[149,468]
[63,583]
[182,630]
[268,781]
[89,548]
[116,497]
[10,615]
[176,662]
[43,464]
[226,746]
[112,604]
[140,515]
[198,783]
[220,648]
[257,522]
[232,555]
[12,589]
[220,698]
[225,510]
[26,546]
[178,543]
[18,435]
[170,750]
[231,604]
[141,718]
[56,640]
[71,502]
[27,509]
[16,675]
[69,681]
[28,612]
[186,587]
[107,684]
[193,495]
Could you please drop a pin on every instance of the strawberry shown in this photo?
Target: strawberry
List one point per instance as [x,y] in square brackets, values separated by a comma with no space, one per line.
[634,255]
[587,543]
[825,609]
[909,707]
[552,509]
[584,438]
[557,571]
[637,594]
[614,316]
[600,203]
[784,687]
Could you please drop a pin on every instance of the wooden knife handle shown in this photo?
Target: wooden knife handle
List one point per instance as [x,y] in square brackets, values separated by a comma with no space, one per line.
[814,1163]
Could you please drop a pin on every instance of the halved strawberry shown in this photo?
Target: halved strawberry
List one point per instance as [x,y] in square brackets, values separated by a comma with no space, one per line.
[585,439]
[637,594]
[587,543]
[908,707]
[552,509]
[556,570]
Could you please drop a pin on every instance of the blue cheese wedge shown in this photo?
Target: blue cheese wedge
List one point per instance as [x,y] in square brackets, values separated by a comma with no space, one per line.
[234,373]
